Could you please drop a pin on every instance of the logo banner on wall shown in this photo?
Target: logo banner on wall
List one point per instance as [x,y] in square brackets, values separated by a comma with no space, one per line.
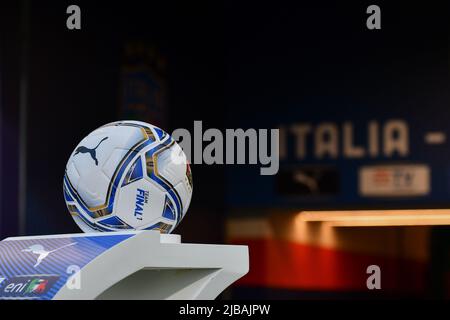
[39,268]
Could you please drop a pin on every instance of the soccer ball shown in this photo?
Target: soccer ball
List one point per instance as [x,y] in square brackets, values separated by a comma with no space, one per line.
[128,175]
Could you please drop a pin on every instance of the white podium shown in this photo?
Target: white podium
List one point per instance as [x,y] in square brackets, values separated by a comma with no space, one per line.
[117,265]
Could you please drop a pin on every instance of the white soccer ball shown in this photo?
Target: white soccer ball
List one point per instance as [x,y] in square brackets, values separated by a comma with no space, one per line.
[128,175]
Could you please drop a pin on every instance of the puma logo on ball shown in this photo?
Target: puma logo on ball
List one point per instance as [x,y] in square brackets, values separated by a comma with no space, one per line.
[92,152]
